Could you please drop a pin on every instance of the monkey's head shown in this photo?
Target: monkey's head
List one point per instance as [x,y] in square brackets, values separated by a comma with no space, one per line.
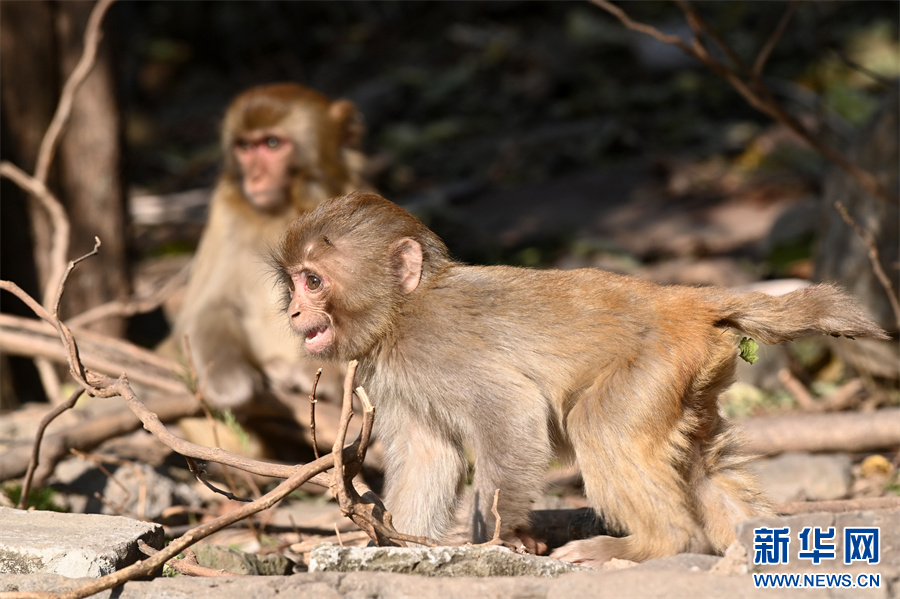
[282,140]
[349,266]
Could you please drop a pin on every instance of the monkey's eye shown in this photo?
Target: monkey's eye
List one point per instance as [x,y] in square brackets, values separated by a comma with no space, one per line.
[272,142]
[313,282]
[243,144]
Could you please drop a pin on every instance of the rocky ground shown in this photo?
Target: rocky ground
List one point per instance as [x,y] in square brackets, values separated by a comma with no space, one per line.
[52,552]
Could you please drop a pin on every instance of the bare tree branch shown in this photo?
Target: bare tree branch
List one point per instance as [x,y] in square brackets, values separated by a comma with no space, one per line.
[874,258]
[773,40]
[312,413]
[39,435]
[33,338]
[186,566]
[134,305]
[103,386]
[365,511]
[151,565]
[754,91]
[92,37]
[59,222]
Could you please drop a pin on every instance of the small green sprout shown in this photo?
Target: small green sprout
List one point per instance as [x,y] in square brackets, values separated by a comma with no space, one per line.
[748,349]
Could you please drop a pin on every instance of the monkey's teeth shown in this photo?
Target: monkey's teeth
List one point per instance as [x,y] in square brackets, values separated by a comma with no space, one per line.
[317,339]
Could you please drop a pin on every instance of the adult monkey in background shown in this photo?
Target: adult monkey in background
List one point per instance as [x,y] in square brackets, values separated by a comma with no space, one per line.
[622,373]
[287,148]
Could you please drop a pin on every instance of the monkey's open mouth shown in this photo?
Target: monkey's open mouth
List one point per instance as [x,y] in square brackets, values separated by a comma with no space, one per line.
[318,339]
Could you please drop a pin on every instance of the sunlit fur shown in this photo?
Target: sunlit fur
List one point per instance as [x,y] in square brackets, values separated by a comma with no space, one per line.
[516,364]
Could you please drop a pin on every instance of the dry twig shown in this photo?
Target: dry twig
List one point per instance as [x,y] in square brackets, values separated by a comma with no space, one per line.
[797,390]
[365,511]
[58,222]
[86,436]
[100,464]
[92,37]
[874,258]
[187,566]
[134,305]
[199,471]
[103,386]
[36,447]
[312,413]
[773,40]
[37,186]
[99,385]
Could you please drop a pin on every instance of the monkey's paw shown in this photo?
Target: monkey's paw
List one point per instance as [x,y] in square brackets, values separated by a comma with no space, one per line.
[593,552]
[233,386]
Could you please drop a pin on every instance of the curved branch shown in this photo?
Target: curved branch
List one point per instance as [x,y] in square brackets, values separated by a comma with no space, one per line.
[770,44]
[92,36]
[874,258]
[36,448]
[59,223]
[134,305]
[149,566]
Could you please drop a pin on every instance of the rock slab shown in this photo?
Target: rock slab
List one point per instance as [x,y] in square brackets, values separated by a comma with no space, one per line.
[71,545]
[436,561]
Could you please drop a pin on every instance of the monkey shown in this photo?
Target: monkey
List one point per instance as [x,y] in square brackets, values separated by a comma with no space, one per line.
[286,148]
[517,365]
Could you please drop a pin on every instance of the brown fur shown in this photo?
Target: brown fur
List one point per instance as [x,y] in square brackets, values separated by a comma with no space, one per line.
[230,308]
[516,363]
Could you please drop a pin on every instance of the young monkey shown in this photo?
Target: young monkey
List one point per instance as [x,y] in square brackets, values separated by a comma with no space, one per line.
[622,373]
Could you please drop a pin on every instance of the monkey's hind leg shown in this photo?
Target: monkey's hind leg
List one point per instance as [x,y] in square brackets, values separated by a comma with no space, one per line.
[629,441]
[725,491]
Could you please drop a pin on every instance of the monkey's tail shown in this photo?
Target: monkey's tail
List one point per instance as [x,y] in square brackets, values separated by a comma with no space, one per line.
[823,308]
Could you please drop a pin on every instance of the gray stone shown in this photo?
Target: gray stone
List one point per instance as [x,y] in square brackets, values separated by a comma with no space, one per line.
[802,476]
[241,562]
[137,489]
[687,562]
[72,545]
[436,561]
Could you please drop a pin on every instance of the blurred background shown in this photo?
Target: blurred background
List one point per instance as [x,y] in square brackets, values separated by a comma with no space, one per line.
[542,134]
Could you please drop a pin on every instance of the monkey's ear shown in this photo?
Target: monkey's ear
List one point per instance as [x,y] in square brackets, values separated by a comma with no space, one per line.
[407,262]
[349,121]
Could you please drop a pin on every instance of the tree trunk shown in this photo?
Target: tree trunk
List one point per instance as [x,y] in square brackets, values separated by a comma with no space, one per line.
[29,88]
[40,42]
[842,256]
[91,175]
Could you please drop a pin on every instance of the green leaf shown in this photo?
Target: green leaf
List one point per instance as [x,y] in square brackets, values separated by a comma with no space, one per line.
[748,349]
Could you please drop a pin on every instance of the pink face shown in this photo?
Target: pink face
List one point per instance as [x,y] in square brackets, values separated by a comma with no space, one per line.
[264,157]
[309,316]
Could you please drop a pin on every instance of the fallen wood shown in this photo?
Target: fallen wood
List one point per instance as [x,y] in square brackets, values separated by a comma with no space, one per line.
[836,431]
[35,338]
[88,435]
